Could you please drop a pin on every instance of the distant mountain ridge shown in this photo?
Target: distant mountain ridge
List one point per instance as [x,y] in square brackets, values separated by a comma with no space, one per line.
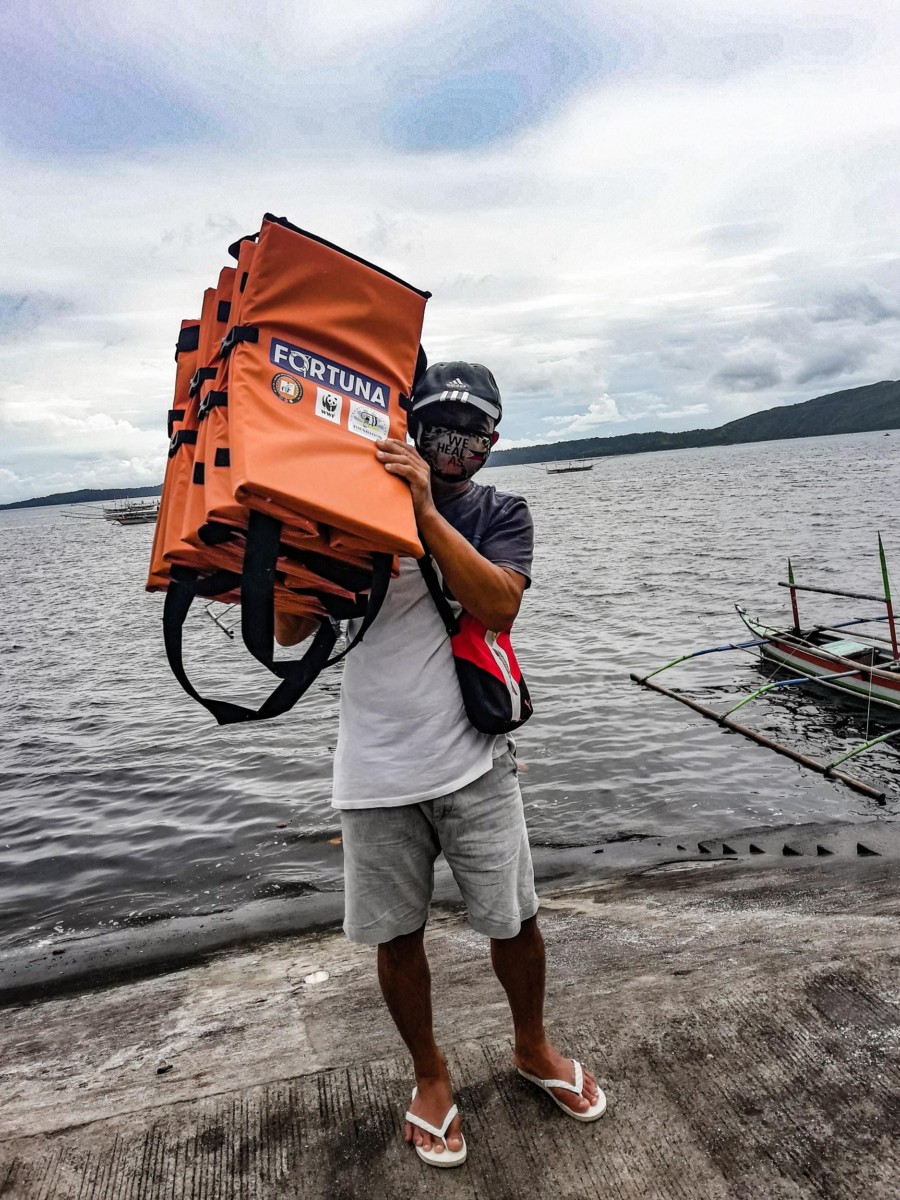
[857,410]
[85,495]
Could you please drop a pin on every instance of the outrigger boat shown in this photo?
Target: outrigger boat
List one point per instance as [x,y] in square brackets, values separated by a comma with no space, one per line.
[864,667]
[123,512]
[133,512]
[562,468]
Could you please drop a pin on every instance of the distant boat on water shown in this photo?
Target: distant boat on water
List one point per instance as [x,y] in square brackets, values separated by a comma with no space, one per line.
[123,512]
[575,464]
[132,512]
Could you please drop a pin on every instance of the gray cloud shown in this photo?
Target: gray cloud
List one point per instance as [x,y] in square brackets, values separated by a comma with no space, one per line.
[832,364]
[864,303]
[748,376]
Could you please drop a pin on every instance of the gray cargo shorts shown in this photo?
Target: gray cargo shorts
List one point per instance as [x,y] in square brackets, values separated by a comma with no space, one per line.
[389,856]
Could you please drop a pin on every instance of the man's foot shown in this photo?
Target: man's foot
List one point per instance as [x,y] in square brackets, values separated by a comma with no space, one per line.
[433,1100]
[545,1062]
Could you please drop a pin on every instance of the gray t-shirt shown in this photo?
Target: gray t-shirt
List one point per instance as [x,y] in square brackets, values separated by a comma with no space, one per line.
[404,736]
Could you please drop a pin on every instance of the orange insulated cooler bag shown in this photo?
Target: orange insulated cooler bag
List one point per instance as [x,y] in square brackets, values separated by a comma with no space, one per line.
[323,362]
[182,428]
[278,499]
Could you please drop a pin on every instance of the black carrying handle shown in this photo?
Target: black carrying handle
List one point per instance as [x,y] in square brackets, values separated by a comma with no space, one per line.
[258,597]
[183,587]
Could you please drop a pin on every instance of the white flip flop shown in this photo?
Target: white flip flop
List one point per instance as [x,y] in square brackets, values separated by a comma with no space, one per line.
[595,1111]
[448,1158]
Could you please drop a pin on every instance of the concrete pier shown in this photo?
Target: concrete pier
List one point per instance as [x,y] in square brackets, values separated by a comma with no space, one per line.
[743,1019]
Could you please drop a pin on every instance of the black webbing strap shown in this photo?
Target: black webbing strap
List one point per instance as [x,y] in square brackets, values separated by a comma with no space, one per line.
[258,596]
[182,437]
[258,607]
[346,575]
[238,333]
[381,578]
[223,312]
[441,603]
[174,416]
[200,376]
[211,400]
[184,586]
[188,339]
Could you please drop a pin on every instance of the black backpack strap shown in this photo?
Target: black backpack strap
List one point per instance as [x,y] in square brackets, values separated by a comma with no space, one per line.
[183,587]
[258,599]
[441,603]
[381,578]
[258,608]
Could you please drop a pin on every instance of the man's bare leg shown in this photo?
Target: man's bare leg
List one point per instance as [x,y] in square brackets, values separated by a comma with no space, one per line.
[520,965]
[406,986]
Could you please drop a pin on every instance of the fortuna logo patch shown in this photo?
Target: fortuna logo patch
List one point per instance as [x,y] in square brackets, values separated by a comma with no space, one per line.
[331,374]
[287,388]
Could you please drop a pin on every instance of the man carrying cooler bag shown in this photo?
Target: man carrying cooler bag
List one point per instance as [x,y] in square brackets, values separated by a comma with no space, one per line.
[413,777]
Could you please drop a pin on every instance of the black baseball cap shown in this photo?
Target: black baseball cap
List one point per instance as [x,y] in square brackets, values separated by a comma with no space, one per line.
[460,383]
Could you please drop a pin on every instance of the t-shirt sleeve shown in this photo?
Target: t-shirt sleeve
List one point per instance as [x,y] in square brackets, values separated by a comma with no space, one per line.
[508,540]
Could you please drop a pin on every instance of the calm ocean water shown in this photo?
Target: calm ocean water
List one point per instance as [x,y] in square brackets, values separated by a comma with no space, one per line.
[123,803]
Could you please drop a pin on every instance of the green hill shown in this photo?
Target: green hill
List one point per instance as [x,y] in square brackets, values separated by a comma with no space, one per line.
[858,410]
[85,495]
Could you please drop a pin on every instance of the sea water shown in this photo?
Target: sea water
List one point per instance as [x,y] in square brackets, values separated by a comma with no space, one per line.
[123,803]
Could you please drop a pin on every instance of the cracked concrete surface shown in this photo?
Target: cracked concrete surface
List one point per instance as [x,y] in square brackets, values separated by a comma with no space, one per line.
[744,1022]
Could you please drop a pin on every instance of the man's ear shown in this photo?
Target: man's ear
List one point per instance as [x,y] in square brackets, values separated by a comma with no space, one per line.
[494,437]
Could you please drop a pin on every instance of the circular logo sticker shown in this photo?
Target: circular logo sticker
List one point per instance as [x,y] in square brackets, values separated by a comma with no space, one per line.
[287,388]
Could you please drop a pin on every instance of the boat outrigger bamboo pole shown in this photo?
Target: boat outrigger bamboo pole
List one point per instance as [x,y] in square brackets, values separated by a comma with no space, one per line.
[808,587]
[753,642]
[889,604]
[800,679]
[726,722]
[794,608]
[865,746]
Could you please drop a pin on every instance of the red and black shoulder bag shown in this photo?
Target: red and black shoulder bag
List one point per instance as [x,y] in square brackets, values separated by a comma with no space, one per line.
[493,687]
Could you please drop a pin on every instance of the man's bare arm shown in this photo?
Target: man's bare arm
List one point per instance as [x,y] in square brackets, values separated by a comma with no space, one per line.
[490,593]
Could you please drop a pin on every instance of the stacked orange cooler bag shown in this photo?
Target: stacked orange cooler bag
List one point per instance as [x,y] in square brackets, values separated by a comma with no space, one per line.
[304,356]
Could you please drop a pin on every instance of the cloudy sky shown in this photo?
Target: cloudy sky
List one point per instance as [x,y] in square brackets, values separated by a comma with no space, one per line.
[659,214]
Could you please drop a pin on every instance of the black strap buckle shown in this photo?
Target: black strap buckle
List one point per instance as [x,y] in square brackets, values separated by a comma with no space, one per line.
[200,376]
[210,401]
[181,438]
[238,333]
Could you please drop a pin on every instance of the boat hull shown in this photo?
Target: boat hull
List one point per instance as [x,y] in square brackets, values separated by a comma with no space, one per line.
[869,685]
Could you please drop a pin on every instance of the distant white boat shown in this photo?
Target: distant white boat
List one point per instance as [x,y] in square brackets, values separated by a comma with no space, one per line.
[122,512]
[577,464]
[132,512]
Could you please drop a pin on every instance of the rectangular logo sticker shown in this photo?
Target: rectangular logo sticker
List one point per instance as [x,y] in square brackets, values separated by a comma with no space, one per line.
[330,374]
[329,405]
[367,423]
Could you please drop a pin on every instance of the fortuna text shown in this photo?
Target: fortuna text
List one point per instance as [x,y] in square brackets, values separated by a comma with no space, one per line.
[333,374]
